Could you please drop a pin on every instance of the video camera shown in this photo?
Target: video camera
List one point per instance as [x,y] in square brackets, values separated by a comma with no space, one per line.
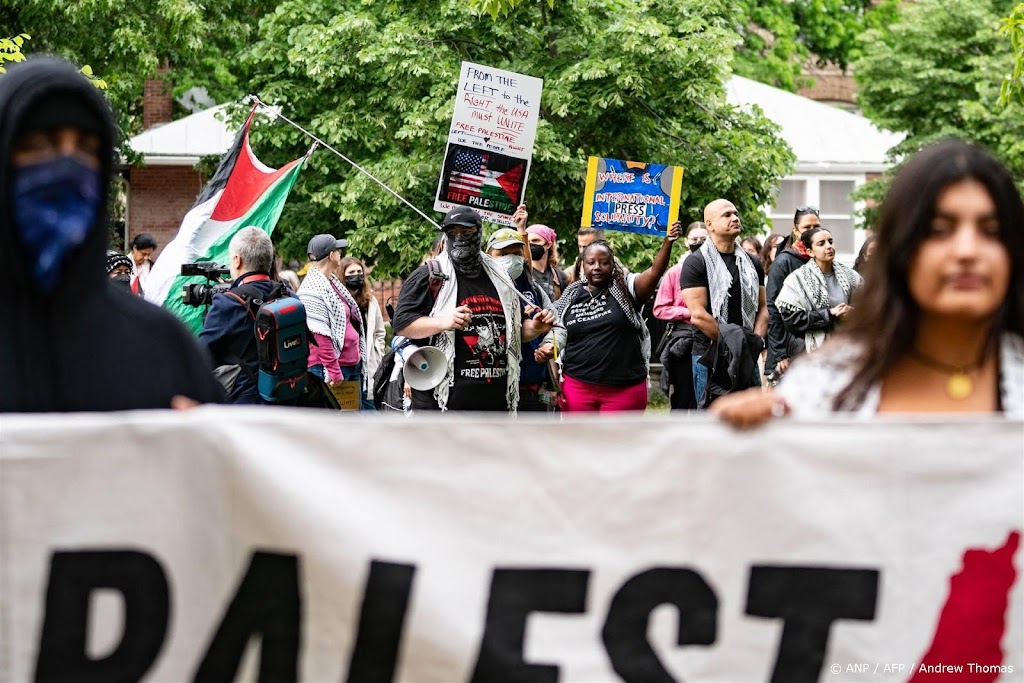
[202,293]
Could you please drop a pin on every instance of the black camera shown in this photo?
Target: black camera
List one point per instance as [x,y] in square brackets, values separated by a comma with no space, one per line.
[202,293]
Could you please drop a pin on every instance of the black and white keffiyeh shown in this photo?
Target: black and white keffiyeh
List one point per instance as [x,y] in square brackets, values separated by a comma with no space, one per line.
[326,309]
[625,301]
[720,284]
[804,290]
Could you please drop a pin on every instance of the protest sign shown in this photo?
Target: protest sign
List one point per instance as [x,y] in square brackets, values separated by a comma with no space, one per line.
[274,544]
[632,196]
[490,143]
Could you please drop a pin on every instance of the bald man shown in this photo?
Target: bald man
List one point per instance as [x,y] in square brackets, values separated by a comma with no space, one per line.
[722,284]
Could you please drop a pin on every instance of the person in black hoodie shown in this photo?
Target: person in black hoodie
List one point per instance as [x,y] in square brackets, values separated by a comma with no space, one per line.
[66,330]
[783,346]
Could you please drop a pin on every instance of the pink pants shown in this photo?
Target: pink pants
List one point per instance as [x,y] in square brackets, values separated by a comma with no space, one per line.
[581,397]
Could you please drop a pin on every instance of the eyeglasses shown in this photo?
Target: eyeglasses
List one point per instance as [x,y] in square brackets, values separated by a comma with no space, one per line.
[800,210]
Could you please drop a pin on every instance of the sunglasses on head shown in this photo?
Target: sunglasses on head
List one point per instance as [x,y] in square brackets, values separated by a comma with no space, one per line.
[802,210]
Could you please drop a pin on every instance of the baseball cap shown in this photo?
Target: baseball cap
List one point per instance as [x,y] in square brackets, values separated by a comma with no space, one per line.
[321,246]
[462,215]
[505,237]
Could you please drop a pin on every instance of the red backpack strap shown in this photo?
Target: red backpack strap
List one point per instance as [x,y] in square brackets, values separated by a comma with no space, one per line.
[436,278]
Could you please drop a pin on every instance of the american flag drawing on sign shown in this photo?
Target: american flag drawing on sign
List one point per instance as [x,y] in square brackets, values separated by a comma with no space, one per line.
[469,172]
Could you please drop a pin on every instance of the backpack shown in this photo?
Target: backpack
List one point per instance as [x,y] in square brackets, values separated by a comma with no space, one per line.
[282,346]
[389,394]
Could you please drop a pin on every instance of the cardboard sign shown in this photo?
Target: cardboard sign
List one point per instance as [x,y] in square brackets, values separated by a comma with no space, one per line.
[490,143]
[347,394]
[631,196]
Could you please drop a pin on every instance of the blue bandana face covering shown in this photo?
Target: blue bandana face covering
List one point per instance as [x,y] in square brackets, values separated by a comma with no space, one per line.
[54,204]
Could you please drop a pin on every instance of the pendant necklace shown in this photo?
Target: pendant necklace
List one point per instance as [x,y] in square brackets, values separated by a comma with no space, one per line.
[959,386]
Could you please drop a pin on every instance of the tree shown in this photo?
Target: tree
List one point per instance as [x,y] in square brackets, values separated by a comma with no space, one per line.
[1013,85]
[935,73]
[632,80]
[127,41]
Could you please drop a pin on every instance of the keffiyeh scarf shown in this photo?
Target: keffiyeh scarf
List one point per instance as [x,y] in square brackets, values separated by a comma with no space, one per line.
[625,301]
[805,289]
[720,284]
[326,309]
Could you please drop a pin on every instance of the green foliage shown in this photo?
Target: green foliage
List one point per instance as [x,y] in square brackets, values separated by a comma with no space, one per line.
[780,37]
[1013,85]
[377,79]
[127,41]
[936,72]
[11,51]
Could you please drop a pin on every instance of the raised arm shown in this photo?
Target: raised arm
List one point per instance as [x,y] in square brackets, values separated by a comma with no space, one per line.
[647,282]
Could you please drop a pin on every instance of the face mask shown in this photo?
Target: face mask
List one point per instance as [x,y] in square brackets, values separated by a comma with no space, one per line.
[465,254]
[354,281]
[122,281]
[537,251]
[696,245]
[54,205]
[512,264]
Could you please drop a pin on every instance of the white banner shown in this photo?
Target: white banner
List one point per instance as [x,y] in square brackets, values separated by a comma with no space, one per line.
[490,143]
[273,544]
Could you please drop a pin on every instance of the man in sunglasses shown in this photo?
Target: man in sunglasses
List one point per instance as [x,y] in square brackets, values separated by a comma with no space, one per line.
[782,346]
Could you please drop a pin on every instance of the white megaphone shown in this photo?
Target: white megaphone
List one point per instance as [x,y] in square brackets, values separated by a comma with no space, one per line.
[425,366]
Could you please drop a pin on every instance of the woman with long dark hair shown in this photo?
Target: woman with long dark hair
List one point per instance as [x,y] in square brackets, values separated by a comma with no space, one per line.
[354,278]
[608,349]
[939,322]
[817,296]
[864,255]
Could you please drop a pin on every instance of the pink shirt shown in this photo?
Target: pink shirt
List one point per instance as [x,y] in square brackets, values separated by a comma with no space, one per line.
[323,354]
[669,305]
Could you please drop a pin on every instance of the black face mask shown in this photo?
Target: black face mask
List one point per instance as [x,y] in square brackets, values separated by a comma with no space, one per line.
[464,251]
[354,281]
[537,251]
[123,281]
[696,245]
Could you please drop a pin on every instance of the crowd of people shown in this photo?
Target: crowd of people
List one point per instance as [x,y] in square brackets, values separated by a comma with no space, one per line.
[928,318]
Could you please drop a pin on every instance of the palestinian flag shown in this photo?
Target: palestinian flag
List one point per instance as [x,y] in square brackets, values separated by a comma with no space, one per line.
[242,193]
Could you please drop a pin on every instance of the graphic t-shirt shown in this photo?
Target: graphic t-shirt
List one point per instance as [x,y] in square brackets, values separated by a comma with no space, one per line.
[481,360]
[602,346]
[695,274]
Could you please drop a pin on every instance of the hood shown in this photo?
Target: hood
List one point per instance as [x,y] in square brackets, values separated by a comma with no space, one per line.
[21,88]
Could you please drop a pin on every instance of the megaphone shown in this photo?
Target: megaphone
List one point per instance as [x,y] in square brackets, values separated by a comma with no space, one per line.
[425,366]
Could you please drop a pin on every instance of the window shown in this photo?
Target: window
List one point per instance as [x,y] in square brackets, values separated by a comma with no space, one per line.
[831,194]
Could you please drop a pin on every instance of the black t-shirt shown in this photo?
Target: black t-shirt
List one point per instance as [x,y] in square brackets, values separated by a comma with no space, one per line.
[695,274]
[481,362]
[603,346]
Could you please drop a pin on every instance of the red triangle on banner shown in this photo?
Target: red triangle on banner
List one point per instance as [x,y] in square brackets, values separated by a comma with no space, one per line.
[510,181]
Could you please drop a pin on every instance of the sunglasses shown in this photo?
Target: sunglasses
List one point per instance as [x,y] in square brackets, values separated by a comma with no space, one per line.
[801,210]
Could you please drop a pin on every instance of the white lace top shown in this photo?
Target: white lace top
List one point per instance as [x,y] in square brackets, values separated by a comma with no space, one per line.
[812,383]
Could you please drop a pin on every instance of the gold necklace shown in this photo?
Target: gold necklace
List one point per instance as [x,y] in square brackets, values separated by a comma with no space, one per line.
[959,386]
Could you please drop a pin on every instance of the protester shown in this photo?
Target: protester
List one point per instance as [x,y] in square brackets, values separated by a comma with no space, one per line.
[792,254]
[475,319]
[142,248]
[752,246]
[677,344]
[586,236]
[864,255]
[608,349]
[817,297]
[229,329]
[290,278]
[66,332]
[723,287]
[354,276]
[544,260]
[768,253]
[332,314]
[939,323]
[506,246]
[119,270]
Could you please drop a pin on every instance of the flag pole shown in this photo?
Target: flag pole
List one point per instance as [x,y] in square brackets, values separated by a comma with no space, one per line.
[258,102]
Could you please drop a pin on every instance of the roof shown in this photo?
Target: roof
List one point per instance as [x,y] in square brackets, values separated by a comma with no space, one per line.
[185,141]
[824,138]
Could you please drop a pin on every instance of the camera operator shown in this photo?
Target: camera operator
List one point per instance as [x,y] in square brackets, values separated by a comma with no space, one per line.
[228,333]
